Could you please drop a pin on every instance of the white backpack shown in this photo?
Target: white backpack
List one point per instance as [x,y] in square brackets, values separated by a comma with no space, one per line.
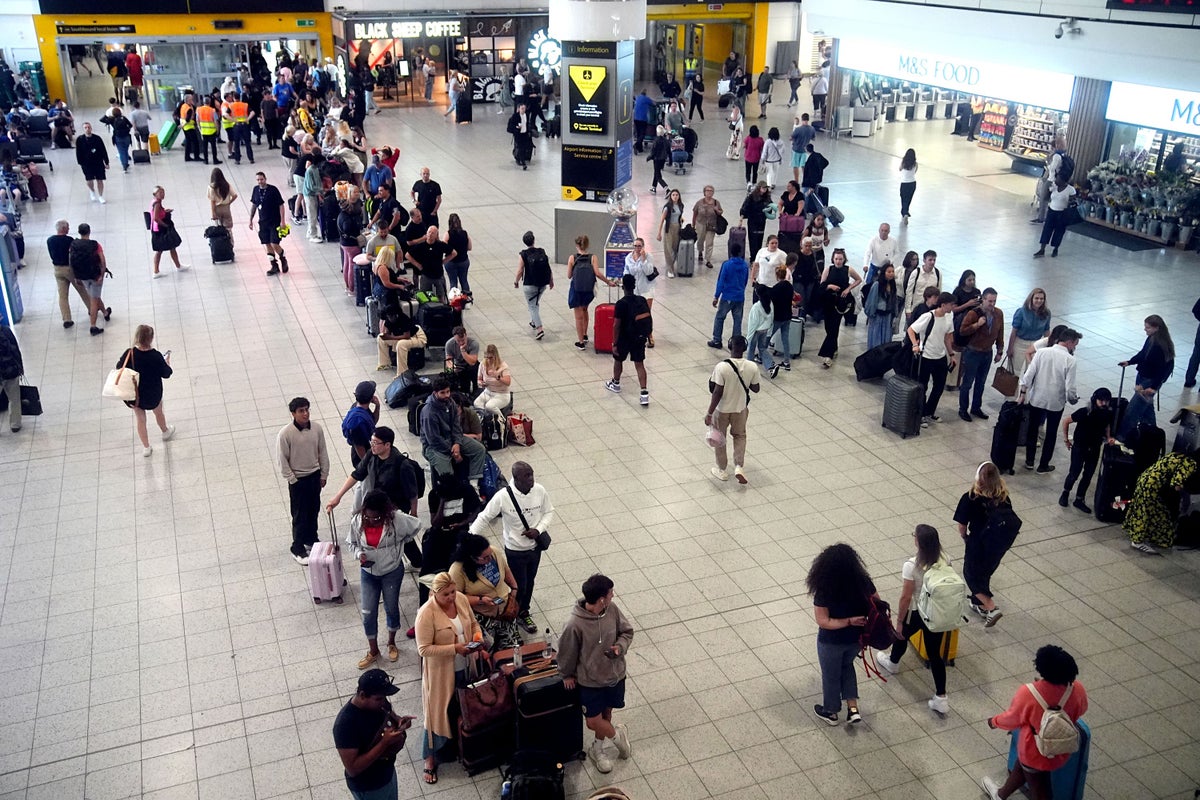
[943,601]
[1057,735]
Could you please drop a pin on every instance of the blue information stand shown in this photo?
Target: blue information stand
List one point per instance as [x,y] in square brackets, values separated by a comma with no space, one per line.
[12,308]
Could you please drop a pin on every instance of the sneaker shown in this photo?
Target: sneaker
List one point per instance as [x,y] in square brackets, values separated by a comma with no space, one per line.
[924,422]
[301,560]
[990,788]
[94,331]
[827,363]
[992,617]
[1190,384]
[1046,470]
[644,398]
[540,333]
[787,366]
[939,704]
[368,660]
[527,623]
[1064,499]
[101,199]
[708,264]
[965,417]
[168,433]
[719,474]
[775,371]
[1029,466]
[68,323]
[887,665]
[934,418]
[1144,548]
[581,346]
[852,716]
[979,414]
[146,451]
[91,195]
[624,748]
[158,275]
[108,314]
[611,385]
[714,344]
[599,757]
[1082,505]
[830,719]
[740,474]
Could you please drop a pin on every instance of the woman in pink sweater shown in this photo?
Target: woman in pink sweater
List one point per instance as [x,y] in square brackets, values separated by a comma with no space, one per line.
[1058,672]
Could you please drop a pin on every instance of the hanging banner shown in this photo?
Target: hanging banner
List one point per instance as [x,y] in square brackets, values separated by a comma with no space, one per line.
[587,98]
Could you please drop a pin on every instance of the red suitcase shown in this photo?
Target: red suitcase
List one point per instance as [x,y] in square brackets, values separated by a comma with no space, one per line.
[602,336]
[325,572]
[37,188]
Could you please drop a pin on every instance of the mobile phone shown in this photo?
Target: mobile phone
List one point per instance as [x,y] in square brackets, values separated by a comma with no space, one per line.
[498,601]
[168,355]
[474,645]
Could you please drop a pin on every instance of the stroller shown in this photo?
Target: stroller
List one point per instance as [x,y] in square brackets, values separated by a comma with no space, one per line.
[679,155]
[220,244]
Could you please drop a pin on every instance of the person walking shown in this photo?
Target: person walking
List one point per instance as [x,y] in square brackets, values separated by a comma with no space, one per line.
[1189,378]
[988,526]
[660,154]
[643,110]
[59,248]
[696,103]
[642,269]
[1030,323]
[1047,386]
[207,120]
[794,77]
[764,84]
[1155,363]
[737,123]
[753,214]
[12,368]
[268,202]
[1093,429]
[591,656]
[983,329]
[670,222]
[163,236]
[842,593]
[758,329]
[92,157]
[583,270]
[122,136]
[802,135]
[783,302]
[89,266]
[534,276]
[1057,214]
[772,157]
[838,281]
[704,220]
[931,337]
[908,620]
[633,328]
[732,381]
[729,295]
[304,463]
[220,198]
[368,736]
[752,154]
[908,181]
[152,367]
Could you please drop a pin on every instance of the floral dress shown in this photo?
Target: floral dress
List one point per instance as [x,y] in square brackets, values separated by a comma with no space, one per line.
[1154,509]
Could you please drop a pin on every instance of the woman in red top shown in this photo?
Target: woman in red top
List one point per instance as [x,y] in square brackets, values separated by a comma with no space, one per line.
[1058,672]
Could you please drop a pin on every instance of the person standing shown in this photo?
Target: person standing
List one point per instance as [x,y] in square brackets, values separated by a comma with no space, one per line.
[1049,176]
[1189,379]
[908,181]
[917,280]
[704,220]
[59,247]
[758,329]
[591,655]
[1059,200]
[696,102]
[820,88]
[842,592]
[526,514]
[368,736]
[268,202]
[782,308]
[89,267]
[931,337]
[1093,429]
[163,236]
[427,196]
[986,543]
[729,295]
[732,381]
[766,261]
[983,328]
[12,367]
[239,109]
[458,241]
[1030,323]
[310,190]
[359,423]
[882,307]
[384,468]
[642,269]
[838,282]
[140,118]
[643,109]
[1047,386]
[220,198]
[1155,363]
[185,116]
[304,464]
[670,222]
[430,73]
[633,327]
[152,368]
[583,270]
[772,157]
[206,120]
[534,276]
[92,157]
[881,251]
[765,82]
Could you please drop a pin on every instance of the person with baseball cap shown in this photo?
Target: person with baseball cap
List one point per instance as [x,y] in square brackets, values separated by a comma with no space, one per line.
[360,421]
[368,735]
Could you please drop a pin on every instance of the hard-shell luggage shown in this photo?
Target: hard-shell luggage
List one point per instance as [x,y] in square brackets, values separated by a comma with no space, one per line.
[795,339]
[549,716]
[949,646]
[37,189]
[153,145]
[685,258]
[486,747]
[362,283]
[372,304]
[495,430]
[835,216]
[1187,435]
[602,335]
[220,244]
[1066,782]
[902,406]
[168,134]
[141,156]
[1115,479]
[737,235]
[1008,435]
[877,361]
[325,575]
[327,216]
[533,775]
[523,153]
[437,320]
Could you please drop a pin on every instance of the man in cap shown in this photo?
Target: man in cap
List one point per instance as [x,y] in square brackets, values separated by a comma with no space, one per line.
[368,735]
[360,421]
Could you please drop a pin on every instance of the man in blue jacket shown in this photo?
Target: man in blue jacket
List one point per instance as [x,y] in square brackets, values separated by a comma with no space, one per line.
[643,113]
[730,294]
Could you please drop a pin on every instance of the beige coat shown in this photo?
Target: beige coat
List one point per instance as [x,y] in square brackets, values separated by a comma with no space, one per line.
[435,644]
[480,587]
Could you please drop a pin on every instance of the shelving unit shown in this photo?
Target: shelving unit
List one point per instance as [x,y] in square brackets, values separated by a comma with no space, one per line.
[1032,138]
[1191,147]
[993,130]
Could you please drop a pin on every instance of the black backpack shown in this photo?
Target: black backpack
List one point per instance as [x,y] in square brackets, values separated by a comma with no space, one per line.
[84,258]
[1000,531]
[418,474]
[1066,168]
[537,267]
[643,323]
[534,775]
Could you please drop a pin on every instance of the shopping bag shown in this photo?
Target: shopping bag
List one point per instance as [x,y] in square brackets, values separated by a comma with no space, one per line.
[31,401]
[121,382]
[520,429]
[714,437]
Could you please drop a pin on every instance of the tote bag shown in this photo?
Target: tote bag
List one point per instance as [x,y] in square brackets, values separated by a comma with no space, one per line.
[121,383]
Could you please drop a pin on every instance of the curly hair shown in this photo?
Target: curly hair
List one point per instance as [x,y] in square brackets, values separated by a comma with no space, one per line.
[838,569]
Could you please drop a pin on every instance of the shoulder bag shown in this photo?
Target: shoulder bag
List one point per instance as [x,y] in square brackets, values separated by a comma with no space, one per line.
[1005,381]
[738,373]
[486,701]
[122,383]
[543,538]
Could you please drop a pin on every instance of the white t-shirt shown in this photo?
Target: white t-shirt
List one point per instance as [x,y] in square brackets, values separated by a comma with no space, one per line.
[908,175]
[734,399]
[767,263]
[519,85]
[1060,201]
[935,342]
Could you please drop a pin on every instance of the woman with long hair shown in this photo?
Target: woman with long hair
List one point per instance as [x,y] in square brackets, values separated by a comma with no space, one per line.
[1155,363]
[842,592]
[987,540]
[163,236]
[670,223]
[220,197]
[758,329]
[754,216]
[908,181]
[152,368]
[966,297]
[772,157]
[908,621]
[737,123]
[583,270]
[495,380]
[838,281]
[481,572]
[460,242]
[1030,323]
[752,156]
[884,304]
[818,229]
[350,228]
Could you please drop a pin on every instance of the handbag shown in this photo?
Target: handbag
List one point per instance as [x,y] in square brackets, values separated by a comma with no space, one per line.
[653,274]
[486,702]
[122,382]
[791,223]
[31,401]
[1072,216]
[520,429]
[1005,381]
[543,538]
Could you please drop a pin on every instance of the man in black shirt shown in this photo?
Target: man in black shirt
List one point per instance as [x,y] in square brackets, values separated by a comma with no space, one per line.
[632,326]
[389,210]
[59,246]
[428,257]
[427,196]
[368,735]
[415,231]
[389,471]
[267,200]
[1093,429]
[92,157]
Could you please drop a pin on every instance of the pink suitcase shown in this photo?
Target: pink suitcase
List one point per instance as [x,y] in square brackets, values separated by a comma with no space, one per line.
[325,572]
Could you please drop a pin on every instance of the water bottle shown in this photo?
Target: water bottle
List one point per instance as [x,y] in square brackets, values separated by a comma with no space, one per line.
[550,648]
[518,659]
[506,790]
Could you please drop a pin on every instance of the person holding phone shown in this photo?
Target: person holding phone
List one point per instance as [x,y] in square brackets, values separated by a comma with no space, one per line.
[481,572]
[152,368]
[368,735]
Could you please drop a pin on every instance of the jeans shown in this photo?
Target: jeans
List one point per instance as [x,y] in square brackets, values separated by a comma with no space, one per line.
[389,791]
[1083,465]
[472,450]
[838,680]
[241,136]
[1194,361]
[305,501]
[907,190]
[456,274]
[784,329]
[1139,412]
[933,649]
[1036,417]
[760,346]
[524,565]
[533,299]
[975,366]
[1053,228]
[734,427]
[123,143]
[310,209]
[389,587]
[428,87]
[723,309]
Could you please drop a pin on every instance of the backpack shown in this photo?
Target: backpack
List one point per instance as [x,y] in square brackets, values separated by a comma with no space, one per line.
[879,632]
[84,258]
[944,599]
[643,323]
[1000,530]
[417,472]
[1057,734]
[358,417]
[537,267]
[492,480]
[1066,168]
[534,775]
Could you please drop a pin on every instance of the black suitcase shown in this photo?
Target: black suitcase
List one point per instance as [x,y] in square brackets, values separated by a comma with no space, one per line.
[221,250]
[1149,444]
[876,362]
[437,320]
[549,717]
[554,128]
[902,406]
[1011,424]
[416,358]
[1116,478]
[141,156]
[372,304]
[495,430]
[362,283]
[486,748]
[327,216]
[415,404]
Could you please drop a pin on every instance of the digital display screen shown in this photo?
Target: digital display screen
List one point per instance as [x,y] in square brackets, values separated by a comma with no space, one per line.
[1182,6]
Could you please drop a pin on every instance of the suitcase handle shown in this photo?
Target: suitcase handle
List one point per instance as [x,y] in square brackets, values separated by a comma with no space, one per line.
[337,548]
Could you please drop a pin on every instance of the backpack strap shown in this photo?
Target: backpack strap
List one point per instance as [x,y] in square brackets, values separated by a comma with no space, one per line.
[1037,696]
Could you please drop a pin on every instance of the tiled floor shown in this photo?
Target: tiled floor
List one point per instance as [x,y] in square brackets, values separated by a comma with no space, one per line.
[157,640]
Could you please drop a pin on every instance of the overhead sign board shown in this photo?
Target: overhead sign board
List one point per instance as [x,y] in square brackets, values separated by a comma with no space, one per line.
[1153,107]
[96,28]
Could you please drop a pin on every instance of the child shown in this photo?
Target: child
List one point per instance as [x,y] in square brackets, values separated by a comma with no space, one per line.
[1093,428]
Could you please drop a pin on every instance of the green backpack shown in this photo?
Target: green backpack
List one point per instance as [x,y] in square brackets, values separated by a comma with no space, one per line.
[944,600]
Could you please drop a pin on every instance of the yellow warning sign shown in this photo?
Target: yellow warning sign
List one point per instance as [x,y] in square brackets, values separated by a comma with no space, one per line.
[571,193]
[587,78]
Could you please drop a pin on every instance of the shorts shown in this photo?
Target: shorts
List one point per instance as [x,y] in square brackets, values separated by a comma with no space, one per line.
[798,159]
[635,351]
[93,173]
[93,288]
[596,701]
[268,234]
[579,299]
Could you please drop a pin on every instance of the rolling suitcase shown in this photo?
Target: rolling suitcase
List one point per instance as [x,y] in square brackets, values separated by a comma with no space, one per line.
[876,362]
[416,358]
[485,747]
[220,245]
[495,430]
[437,320]
[327,215]
[325,572]
[737,235]
[795,339]
[602,335]
[549,716]
[1008,435]
[1187,436]
[372,304]
[168,134]
[902,406]
[362,283]
[141,156]
[949,647]
[1115,479]
[1066,782]
[37,189]
[153,145]
[685,258]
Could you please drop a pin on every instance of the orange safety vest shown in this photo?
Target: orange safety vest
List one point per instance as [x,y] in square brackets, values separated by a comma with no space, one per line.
[226,118]
[241,112]
[187,120]
[207,117]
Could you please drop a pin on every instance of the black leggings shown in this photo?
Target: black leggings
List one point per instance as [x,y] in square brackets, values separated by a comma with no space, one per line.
[751,172]
[658,178]
[933,649]
[697,105]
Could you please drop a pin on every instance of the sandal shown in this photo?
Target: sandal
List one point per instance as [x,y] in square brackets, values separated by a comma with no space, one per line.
[430,776]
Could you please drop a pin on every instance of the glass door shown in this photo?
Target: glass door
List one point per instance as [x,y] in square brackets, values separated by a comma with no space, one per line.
[168,74]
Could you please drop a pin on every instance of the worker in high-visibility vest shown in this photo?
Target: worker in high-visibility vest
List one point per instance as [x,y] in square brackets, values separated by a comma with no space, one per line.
[690,65]
[241,129]
[187,123]
[206,120]
[227,123]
